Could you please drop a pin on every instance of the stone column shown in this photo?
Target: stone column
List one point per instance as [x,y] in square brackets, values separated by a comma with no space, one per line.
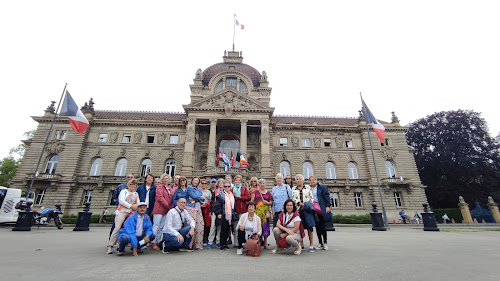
[212,145]
[464,209]
[494,209]
[243,137]
[265,151]
[187,162]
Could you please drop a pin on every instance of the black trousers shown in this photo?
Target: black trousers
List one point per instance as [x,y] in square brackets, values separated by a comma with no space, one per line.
[224,231]
[321,230]
[241,238]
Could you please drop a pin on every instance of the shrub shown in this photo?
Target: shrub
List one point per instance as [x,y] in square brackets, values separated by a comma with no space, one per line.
[453,213]
[352,219]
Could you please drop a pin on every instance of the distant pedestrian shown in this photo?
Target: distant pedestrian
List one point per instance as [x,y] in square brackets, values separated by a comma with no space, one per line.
[446,219]
[103,215]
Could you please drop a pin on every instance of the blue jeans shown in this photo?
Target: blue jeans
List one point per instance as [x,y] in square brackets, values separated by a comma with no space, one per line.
[171,242]
[125,239]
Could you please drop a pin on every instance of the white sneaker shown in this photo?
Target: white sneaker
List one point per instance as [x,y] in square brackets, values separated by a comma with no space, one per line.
[109,250]
[319,247]
[239,252]
[325,247]
[311,249]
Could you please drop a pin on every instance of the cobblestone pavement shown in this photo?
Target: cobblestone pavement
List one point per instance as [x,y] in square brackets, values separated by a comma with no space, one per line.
[356,253]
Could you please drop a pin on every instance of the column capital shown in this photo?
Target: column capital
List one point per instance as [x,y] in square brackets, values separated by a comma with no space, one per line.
[243,121]
[264,122]
[213,121]
[191,119]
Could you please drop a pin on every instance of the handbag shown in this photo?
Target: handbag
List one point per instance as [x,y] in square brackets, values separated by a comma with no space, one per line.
[282,242]
[234,216]
[267,212]
[317,208]
[252,246]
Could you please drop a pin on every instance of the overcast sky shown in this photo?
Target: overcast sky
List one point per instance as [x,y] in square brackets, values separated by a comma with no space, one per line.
[411,57]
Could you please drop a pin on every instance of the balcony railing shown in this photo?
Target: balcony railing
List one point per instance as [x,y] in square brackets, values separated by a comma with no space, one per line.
[44,176]
[394,181]
[343,182]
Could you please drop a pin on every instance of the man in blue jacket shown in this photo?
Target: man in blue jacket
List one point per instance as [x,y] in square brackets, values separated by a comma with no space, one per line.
[137,230]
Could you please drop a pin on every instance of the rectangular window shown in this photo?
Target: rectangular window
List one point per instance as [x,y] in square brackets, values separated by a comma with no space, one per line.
[174,139]
[358,201]
[397,199]
[306,142]
[385,143]
[283,141]
[40,193]
[87,196]
[327,142]
[127,138]
[110,200]
[334,197]
[60,134]
[150,139]
[103,138]
[348,143]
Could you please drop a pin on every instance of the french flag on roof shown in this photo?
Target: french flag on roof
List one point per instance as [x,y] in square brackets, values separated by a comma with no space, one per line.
[377,127]
[76,118]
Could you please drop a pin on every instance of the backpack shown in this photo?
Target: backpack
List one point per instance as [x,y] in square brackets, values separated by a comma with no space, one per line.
[253,246]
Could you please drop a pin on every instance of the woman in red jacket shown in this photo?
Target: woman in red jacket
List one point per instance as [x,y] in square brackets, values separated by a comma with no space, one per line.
[163,204]
[241,196]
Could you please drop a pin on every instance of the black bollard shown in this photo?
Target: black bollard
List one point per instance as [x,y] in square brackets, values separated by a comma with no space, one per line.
[377,221]
[25,218]
[83,222]
[329,222]
[429,219]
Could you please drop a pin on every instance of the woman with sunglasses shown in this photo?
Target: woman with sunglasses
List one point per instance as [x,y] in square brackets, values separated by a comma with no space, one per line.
[205,210]
[253,186]
[263,201]
[163,204]
[224,209]
[215,224]
[128,200]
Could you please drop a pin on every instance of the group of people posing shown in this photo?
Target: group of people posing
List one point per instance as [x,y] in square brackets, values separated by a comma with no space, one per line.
[216,212]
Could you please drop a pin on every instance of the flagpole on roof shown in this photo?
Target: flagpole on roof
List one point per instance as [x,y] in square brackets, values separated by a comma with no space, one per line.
[234,29]
[374,165]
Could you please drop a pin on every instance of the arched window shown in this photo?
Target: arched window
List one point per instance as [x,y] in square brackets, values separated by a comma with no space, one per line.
[52,164]
[231,82]
[353,171]
[330,170]
[307,169]
[228,144]
[219,86]
[170,167]
[95,170]
[145,167]
[243,87]
[285,168]
[389,169]
[121,168]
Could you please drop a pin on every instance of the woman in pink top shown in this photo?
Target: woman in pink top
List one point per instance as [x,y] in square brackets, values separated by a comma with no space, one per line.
[163,204]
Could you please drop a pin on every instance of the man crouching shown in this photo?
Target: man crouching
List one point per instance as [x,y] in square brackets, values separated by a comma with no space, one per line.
[179,229]
[137,230]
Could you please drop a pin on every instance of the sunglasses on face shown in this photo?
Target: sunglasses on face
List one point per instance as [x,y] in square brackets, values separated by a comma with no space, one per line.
[227,186]
[203,183]
[130,177]
[253,181]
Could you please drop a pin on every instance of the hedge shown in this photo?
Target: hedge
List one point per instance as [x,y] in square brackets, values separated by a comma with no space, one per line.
[453,213]
[71,219]
[352,219]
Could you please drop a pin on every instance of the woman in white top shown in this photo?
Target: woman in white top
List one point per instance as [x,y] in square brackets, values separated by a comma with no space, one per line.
[248,225]
[129,200]
[289,225]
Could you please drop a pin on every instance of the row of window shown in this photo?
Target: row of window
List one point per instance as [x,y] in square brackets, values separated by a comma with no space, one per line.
[231,82]
[327,142]
[127,138]
[307,169]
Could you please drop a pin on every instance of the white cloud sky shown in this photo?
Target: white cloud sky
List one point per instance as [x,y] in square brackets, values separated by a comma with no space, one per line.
[411,57]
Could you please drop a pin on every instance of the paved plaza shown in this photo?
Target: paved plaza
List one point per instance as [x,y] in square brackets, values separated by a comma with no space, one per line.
[356,253]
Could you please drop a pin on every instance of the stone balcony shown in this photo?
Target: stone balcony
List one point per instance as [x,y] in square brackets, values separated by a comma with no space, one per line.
[52,179]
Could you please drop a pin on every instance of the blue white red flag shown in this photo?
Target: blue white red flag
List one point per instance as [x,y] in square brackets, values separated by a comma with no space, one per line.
[225,159]
[377,127]
[242,160]
[238,24]
[76,118]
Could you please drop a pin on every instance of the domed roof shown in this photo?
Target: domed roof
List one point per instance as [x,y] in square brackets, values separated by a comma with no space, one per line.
[251,72]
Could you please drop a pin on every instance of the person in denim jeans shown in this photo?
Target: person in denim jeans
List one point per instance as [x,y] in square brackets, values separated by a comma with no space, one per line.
[179,229]
[281,192]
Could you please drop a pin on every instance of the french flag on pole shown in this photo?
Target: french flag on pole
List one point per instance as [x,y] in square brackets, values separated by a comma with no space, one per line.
[76,118]
[238,24]
[377,127]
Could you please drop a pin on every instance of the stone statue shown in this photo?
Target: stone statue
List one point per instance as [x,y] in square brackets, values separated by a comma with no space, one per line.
[198,75]
[51,107]
[394,118]
[295,141]
[113,137]
[490,199]
[264,76]
[461,199]
[161,138]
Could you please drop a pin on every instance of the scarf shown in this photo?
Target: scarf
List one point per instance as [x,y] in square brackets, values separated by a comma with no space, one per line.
[296,214]
[237,189]
[228,205]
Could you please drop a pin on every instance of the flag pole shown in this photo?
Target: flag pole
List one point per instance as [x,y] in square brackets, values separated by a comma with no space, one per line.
[234,29]
[374,165]
[46,140]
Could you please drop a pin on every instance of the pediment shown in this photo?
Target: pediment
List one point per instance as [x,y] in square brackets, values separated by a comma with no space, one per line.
[228,98]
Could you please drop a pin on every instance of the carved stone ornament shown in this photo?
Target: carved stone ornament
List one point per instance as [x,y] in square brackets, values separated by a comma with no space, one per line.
[317,142]
[295,141]
[98,152]
[253,138]
[388,153]
[308,156]
[137,137]
[198,75]
[147,152]
[123,152]
[351,157]
[161,138]
[235,101]
[330,156]
[228,108]
[170,153]
[113,137]
[266,161]
[265,135]
[283,156]
[54,147]
[263,77]
[204,136]
[339,142]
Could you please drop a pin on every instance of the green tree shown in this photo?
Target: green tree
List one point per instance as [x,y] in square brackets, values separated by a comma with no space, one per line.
[18,151]
[8,168]
[455,156]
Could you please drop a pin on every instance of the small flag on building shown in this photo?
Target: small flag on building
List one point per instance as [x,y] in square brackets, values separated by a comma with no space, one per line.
[238,24]
[377,127]
[232,159]
[225,160]
[240,158]
[76,118]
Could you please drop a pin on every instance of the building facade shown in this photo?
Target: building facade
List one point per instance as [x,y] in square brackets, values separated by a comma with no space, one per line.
[230,111]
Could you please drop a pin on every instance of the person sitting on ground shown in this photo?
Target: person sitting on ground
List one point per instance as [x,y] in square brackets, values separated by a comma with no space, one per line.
[137,230]
[179,229]
[248,225]
[289,226]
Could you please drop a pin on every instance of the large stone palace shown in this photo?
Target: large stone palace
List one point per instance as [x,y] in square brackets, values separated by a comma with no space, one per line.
[229,111]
